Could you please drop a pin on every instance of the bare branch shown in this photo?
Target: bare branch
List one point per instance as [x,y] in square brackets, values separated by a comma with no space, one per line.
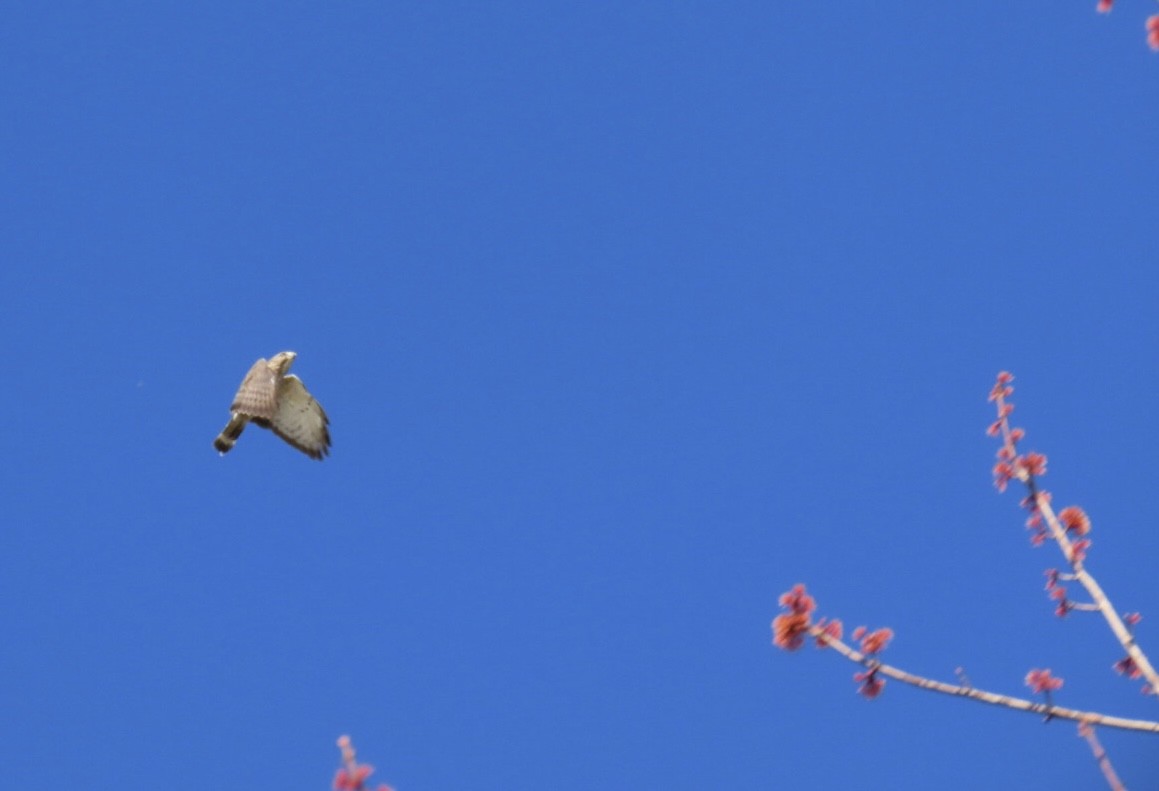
[1088,733]
[1018,704]
[1019,469]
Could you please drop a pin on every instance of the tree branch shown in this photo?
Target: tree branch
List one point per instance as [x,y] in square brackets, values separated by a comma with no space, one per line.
[1047,711]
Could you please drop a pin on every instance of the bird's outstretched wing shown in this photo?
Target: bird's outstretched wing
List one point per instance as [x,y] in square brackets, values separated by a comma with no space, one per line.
[258,395]
[299,419]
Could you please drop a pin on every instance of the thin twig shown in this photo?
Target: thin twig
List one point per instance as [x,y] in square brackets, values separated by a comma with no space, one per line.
[1098,597]
[1018,704]
[1058,532]
[1088,733]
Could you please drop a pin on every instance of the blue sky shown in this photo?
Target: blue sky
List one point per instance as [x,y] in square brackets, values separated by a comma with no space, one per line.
[627,317]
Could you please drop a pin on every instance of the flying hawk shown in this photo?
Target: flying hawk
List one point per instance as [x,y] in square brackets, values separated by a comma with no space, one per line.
[270,398]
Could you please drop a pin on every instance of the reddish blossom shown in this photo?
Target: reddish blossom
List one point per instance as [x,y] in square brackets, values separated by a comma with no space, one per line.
[1104,6]
[1075,520]
[994,429]
[1127,667]
[1063,606]
[346,780]
[829,630]
[797,600]
[1132,618]
[789,630]
[871,683]
[1016,434]
[352,776]
[1037,529]
[1153,32]
[1051,579]
[1033,463]
[1001,387]
[1003,474]
[1078,550]
[1042,681]
[872,642]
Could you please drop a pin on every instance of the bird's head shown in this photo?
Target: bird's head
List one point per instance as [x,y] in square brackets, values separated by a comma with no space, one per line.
[282,361]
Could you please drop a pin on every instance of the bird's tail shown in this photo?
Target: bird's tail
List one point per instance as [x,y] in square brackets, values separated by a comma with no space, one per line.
[228,436]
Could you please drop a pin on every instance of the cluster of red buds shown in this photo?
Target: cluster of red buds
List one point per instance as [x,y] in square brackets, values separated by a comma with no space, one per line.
[352,776]
[1028,468]
[1104,7]
[872,643]
[1069,528]
[790,629]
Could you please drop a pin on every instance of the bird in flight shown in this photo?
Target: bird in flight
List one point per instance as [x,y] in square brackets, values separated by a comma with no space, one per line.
[270,398]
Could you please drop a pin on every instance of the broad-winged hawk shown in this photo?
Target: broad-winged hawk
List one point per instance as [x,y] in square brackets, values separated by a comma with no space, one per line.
[270,398]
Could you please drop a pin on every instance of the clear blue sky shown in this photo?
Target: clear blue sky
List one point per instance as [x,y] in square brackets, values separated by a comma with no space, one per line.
[627,316]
